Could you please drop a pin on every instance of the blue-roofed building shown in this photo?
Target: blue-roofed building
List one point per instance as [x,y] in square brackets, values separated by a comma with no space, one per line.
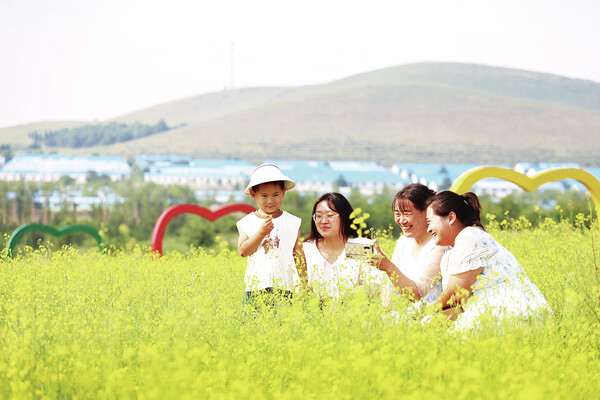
[220,179]
[529,168]
[355,166]
[56,200]
[371,182]
[436,176]
[500,187]
[51,167]
[567,184]
[221,196]
[318,176]
[197,173]
[495,187]
[442,176]
[143,161]
[310,176]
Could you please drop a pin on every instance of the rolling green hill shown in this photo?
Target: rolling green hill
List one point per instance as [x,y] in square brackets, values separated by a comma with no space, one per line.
[427,112]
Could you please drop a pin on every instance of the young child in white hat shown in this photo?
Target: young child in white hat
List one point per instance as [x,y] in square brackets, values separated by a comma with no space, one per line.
[270,237]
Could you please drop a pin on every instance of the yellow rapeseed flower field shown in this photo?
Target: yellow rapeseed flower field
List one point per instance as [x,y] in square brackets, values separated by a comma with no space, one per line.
[129,324]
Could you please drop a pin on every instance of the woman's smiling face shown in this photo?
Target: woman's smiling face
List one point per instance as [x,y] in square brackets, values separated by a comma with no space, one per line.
[439,228]
[410,219]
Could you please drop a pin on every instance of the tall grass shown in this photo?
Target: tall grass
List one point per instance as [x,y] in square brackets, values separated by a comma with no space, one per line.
[131,325]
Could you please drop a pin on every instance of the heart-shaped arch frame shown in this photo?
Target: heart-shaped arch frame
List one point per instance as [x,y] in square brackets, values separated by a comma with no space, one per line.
[468,178]
[23,229]
[163,220]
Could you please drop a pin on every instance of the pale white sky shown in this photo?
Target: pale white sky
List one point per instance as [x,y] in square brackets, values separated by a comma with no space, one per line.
[97,59]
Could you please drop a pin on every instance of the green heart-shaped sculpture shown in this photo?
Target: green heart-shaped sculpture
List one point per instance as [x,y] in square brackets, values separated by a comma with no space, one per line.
[23,229]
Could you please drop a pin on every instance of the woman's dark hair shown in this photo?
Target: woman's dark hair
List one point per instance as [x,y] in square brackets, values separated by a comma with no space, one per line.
[338,203]
[466,207]
[417,193]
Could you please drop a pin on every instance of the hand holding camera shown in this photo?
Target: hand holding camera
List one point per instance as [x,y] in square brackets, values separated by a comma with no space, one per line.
[360,248]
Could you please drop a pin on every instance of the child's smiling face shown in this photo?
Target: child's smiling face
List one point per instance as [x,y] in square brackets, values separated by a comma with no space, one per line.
[268,197]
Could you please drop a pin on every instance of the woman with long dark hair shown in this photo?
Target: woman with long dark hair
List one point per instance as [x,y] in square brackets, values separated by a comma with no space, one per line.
[479,276]
[330,272]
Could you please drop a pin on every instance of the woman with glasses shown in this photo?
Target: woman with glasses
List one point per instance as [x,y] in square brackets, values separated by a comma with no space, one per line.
[330,272]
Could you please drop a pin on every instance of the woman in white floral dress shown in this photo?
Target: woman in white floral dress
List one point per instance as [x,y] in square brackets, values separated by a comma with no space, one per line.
[479,276]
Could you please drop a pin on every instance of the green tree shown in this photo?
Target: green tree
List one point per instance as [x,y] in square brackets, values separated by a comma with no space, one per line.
[6,152]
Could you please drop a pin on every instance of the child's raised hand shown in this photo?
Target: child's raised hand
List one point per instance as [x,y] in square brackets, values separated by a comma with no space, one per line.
[266,227]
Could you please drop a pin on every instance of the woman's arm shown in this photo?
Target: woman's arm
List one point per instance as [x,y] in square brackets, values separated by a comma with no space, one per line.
[400,281]
[457,291]
[300,260]
[432,269]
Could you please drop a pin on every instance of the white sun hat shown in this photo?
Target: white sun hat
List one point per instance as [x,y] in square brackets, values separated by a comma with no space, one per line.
[268,173]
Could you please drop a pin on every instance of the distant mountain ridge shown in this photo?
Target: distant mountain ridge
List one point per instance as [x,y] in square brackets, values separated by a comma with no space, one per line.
[487,79]
[427,112]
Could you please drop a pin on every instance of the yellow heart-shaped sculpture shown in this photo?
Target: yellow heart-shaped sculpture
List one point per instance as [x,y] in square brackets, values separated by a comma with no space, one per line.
[468,178]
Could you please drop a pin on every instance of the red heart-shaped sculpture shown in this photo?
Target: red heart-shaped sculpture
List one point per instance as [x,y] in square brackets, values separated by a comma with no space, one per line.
[163,220]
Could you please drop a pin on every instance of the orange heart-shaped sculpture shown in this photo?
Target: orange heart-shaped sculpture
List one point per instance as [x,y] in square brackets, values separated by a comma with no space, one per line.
[23,229]
[468,178]
[163,220]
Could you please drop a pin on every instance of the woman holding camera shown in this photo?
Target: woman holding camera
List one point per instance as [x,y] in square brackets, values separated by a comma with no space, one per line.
[415,265]
[330,272]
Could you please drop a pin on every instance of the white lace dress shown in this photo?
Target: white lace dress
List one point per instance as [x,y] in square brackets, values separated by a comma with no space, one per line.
[501,290]
[332,279]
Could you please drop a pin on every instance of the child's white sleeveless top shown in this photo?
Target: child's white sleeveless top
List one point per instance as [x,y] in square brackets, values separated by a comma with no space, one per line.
[272,264]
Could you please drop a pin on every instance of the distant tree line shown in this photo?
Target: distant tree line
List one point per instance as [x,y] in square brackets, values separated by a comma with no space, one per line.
[98,134]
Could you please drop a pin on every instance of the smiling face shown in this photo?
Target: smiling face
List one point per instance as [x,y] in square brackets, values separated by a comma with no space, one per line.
[327,221]
[268,197]
[411,220]
[440,228]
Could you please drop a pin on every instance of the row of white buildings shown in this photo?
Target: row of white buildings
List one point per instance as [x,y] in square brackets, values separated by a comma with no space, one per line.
[52,167]
[230,177]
